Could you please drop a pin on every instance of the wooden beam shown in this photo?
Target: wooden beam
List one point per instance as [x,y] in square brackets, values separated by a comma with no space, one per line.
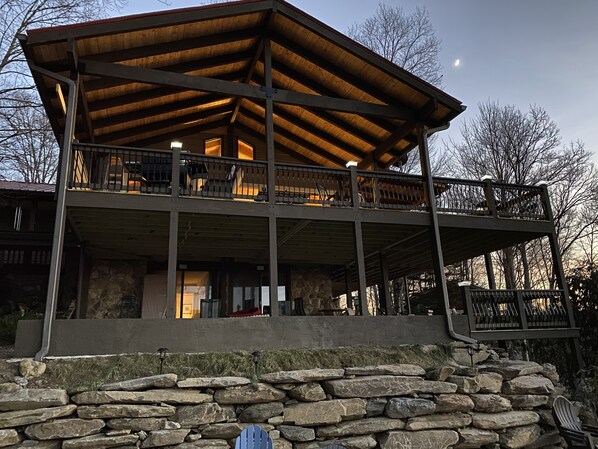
[183,67]
[163,124]
[250,70]
[73,58]
[383,148]
[158,77]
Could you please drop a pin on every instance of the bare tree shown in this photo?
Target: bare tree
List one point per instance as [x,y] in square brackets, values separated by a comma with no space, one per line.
[524,148]
[408,40]
[17,93]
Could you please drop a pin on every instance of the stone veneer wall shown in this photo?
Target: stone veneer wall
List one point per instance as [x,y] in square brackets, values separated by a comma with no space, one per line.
[314,286]
[109,282]
[495,405]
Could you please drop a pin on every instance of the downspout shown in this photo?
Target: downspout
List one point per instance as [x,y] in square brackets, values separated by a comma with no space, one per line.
[442,280]
[60,219]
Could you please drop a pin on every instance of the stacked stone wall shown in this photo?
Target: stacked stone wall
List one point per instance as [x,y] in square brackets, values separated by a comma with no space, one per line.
[499,404]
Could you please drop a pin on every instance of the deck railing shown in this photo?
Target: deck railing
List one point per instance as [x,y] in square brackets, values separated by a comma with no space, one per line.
[133,170]
[515,309]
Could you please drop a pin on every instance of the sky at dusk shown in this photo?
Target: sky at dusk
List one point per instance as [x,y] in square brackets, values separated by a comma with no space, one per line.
[519,52]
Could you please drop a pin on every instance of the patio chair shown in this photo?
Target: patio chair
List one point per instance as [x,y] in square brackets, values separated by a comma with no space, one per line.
[566,417]
[254,437]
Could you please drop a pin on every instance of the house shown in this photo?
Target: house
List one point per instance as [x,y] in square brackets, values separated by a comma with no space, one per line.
[27,212]
[232,163]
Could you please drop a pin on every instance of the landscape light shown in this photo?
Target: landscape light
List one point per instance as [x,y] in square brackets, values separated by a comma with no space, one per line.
[351,164]
[162,352]
[176,144]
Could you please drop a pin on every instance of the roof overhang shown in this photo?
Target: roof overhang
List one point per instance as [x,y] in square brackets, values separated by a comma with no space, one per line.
[149,77]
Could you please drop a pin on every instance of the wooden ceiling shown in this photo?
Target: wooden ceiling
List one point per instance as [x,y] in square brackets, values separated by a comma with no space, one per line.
[226,42]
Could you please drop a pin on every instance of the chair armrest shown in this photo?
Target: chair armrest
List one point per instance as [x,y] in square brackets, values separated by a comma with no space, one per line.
[578,437]
[591,430]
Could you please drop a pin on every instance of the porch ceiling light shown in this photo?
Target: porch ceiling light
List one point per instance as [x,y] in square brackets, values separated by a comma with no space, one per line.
[176,144]
[487,178]
[351,164]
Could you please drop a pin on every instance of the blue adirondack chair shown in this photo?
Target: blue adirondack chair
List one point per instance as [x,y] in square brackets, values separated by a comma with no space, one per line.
[254,437]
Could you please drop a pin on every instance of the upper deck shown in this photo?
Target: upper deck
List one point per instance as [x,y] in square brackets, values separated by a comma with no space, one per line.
[187,175]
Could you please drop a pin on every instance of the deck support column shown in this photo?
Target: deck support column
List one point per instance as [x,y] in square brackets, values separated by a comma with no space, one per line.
[561,280]
[359,253]
[60,220]
[437,257]
[272,239]
[173,241]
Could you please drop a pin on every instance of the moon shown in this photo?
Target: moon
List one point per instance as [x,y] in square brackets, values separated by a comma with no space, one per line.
[457,62]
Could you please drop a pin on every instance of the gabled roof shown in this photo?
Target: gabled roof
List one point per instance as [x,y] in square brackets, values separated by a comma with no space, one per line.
[225,41]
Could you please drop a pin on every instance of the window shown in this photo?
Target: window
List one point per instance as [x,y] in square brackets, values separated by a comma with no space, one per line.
[213,147]
[245,150]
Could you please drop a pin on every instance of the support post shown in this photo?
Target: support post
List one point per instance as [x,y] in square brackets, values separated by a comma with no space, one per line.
[407,299]
[60,219]
[559,271]
[385,290]
[466,292]
[348,287]
[490,271]
[80,276]
[272,243]
[359,253]
[173,240]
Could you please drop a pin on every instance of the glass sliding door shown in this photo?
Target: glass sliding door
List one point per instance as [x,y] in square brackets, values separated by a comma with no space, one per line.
[193,289]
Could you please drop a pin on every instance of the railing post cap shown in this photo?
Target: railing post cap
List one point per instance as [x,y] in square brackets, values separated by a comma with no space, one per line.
[351,164]
[542,183]
[487,178]
[464,284]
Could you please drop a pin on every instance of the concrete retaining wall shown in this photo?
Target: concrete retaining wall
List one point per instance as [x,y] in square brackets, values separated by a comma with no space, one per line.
[90,337]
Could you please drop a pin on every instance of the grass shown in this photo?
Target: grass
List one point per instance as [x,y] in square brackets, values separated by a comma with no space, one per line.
[77,374]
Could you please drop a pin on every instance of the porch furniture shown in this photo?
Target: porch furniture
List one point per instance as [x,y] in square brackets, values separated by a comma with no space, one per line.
[254,437]
[566,417]
[224,187]
[253,311]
